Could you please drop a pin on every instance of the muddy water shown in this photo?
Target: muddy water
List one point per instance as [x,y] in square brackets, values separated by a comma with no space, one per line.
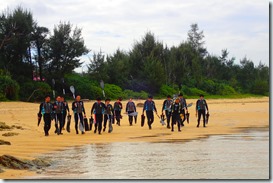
[240,156]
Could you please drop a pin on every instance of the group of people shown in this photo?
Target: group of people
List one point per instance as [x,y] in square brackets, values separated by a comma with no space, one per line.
[176,112]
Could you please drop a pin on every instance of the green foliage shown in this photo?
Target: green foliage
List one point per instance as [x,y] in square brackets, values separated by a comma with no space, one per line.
[9,89]
[192,91]
[223,89]
[83,86]
[260,88]
[166,90]
[34,91]
[136,95]
[112,91]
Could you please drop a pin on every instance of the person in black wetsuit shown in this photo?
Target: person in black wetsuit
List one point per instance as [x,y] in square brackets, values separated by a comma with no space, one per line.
[98,109]
[176,111]
[65,111]
[79,110]
[108,116]
[117,110]
[46,110]
[130,108]
[184,108]
[58,110]
[201,107]
[149,107]
[167,105]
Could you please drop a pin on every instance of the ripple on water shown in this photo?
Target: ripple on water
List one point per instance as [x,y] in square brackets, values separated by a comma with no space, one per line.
[237,156]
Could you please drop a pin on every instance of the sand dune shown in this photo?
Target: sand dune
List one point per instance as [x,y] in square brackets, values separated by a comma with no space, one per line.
[227,116]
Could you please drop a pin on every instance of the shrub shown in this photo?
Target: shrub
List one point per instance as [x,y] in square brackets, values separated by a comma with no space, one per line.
[224,89]
[260,87]
[34,91]
[9,89]
[166,90]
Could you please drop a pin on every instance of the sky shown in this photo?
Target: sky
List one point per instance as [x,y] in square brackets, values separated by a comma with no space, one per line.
[240,26]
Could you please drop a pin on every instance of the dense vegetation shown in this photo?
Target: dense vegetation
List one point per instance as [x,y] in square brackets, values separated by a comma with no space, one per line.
[34,62]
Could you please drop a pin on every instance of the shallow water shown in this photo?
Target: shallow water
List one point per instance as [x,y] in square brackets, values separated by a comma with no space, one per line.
[237,156]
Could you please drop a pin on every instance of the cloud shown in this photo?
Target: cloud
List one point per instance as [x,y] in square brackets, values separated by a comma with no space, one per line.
[240,26]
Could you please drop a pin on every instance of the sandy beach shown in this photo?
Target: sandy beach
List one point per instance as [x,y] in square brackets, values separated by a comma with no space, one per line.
[227,116]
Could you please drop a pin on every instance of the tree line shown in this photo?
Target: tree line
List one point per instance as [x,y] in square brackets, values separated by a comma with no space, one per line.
[31,57]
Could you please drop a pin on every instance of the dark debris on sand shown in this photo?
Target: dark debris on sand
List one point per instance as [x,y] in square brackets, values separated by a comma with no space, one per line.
[11,162]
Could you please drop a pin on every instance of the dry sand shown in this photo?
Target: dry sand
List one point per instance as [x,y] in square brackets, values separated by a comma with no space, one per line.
[227,116]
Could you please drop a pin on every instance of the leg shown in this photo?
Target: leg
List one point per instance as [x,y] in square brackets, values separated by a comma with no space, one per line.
[198,119]
[110,128]
[105,121]
[47,123]
[81,121]
[167,113]
[99,120]
[64,119]
[76,117]
[130,118]
[204,118]
[173,121]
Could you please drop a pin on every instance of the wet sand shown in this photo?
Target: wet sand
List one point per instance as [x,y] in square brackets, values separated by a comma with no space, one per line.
[227,116]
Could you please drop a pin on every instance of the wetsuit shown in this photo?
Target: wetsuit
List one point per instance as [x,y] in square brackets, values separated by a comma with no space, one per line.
[117,110]
[98,109]
[201,107]
[46,109]
[149,107]
[130,108]
[78,109]
[65,109]
[167,104]
[58,110]
[108,116]
[184,107]
[176,111]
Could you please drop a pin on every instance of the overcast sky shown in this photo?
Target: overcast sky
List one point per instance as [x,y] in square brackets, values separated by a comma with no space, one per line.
[240,26]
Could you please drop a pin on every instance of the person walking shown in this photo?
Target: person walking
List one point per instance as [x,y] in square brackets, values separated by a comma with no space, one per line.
[149,107]
[46,111]
[117,110]
[201,107]
[79,110]
[58,107]
[184,108]
[175,112]
[65,111]
[108,116]
[130,108]
[167,107]
[98,109]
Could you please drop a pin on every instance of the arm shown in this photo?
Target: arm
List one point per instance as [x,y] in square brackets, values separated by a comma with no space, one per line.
[92,109]
[186,104]
[207,106]
[134,107]
[154,107]
[40,109]
[144,107]
[83,109]
[126,109]
[163,105]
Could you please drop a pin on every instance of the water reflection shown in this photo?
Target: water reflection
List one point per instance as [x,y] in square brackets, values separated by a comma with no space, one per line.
[240,156]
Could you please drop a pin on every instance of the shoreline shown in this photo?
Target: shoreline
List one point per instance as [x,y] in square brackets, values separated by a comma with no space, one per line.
[228,116]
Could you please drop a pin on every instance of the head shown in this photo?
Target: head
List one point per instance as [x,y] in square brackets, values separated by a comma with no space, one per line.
[180,95]
[177,100]
[78,98]
[99,100]
[58,99]
[62,99]
[107,101]
[119,99]
[169,97]
[47,98]
[201,96]
[150,98]
[130,99]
